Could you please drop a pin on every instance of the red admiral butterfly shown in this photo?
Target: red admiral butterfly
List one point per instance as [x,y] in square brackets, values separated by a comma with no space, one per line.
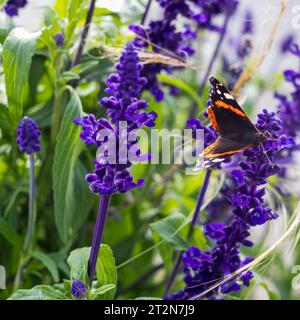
[236,131]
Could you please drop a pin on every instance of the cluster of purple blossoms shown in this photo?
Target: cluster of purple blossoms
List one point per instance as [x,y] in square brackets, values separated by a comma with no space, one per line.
[289,108]
[164,37]
[28,136]
[12,7]
[242,45]
[78,289]
[123,106]
[204,269]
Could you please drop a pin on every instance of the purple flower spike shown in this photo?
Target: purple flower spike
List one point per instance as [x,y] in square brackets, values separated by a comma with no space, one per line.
[28,136]
[78,289]
[12,7]
[203,269]
[123,104]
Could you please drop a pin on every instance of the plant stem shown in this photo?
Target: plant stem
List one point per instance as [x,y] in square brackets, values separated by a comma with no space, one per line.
[194,222]
[84,34]
[211,62]
[146,12]
[97,236]
[32,206]
[56,115]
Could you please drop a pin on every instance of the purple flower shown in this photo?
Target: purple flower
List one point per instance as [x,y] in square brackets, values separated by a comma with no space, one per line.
[78,289]
[122,106]
[289,106]
[166,38]
[28,136]
[287,43]
[12,7]
[203,269]
[59,39]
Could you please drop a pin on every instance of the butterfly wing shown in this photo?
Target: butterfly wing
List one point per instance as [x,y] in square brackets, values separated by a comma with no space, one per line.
[221,149]
[225,114]
[236,131]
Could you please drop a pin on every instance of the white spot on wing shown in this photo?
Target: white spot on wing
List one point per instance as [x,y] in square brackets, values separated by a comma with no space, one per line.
[228,96]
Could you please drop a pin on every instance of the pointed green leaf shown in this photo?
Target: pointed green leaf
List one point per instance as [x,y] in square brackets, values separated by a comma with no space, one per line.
[48,263]
[18,49]
[41,292]
[106,271]
[65,157]
[78,262]
[170,230]
[9,233]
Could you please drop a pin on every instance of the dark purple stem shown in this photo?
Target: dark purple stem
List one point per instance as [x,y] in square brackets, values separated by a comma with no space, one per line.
[97,236]
[194,221]
[146,12]
[84,33]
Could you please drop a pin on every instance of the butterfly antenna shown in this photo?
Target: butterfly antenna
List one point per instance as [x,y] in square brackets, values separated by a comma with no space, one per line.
[265,153]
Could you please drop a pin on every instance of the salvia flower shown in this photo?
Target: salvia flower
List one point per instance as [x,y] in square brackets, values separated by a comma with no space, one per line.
[123,106]
[28,136]
[289,107]
[78,289]
[204,269]
[12,7]
[59,39]
[287,43]
[165,37]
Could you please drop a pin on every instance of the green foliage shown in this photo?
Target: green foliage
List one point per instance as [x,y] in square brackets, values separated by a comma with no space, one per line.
[146,228]
[106,273]
[78,262]
[65,156]
[18,50]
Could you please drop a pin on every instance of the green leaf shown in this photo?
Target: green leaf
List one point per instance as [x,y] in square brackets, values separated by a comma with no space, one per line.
[41,292]
[48,263]
[18,49]
[148,298]
[68,76]
[83,198]
[106,271]
[5,122]
[99,292]
[2,3]
[169,229]
[197,238]
[183,86]
[61,8]
[65,157]
[78,262]
[9,234]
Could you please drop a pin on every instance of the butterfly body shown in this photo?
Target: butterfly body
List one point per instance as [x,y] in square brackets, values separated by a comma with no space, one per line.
[236,131]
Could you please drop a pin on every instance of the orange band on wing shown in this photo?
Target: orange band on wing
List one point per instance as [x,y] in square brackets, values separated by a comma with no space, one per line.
[222,104]
[216,155]
[209,148]
[212,118]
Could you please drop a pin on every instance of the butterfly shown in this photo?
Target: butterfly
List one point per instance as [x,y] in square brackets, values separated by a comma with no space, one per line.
[236,131]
